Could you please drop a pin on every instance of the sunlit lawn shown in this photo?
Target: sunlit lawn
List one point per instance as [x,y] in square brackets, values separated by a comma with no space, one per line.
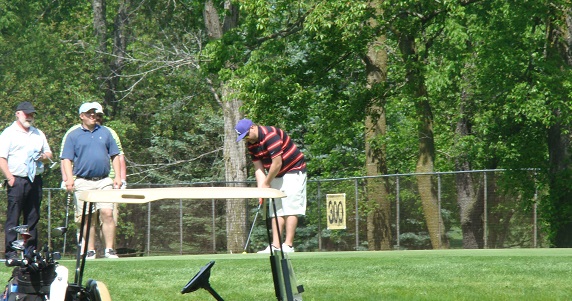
[508,274]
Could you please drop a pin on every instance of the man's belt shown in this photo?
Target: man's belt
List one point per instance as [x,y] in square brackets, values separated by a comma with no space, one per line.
[91,178]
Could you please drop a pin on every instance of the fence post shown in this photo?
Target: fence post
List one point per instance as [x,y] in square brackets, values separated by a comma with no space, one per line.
[49,219]
[439,209]
[357,213]
[319,218]
[148,228]
[213,205]
[180,227]
[397,219]
[485,215]
[534,218]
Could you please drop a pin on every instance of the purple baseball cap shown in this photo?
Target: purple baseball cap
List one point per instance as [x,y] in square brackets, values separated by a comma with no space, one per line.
[242,128]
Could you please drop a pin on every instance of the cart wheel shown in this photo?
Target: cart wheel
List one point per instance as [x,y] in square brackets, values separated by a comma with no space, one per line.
[98,291]
[102,293]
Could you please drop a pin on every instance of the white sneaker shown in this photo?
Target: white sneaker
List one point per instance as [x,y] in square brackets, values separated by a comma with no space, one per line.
[267,250]
[90,255]
[287,249]
[110,253]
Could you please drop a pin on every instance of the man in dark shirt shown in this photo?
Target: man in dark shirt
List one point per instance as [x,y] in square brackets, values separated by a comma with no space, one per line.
[278,164]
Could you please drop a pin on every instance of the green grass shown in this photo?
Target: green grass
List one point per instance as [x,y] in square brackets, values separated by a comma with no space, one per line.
[507,274]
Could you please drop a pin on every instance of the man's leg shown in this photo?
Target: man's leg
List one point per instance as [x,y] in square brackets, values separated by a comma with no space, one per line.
[294,185]
[83,185]
[275,237]
[291,224]
[91,242]
[12,216]
[107,227]
[31,209]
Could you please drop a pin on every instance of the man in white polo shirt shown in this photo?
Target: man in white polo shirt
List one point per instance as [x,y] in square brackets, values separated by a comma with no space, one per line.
[23,148]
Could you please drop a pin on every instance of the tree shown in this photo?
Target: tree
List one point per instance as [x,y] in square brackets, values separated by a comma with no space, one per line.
[558,53]
[111,60]
[378,219]
[415,25]
[235,160]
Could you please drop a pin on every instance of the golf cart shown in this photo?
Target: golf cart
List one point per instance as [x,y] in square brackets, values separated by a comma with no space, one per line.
[282,274]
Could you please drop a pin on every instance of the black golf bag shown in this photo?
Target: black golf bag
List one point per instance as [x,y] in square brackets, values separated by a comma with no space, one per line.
[29,283]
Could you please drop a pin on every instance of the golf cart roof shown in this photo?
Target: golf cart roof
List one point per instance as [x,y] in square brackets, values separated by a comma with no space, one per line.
[145,195]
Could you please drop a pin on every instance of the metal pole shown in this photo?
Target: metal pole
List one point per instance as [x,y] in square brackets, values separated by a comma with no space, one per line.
[397,213]
[213,209]
[213,214]
[485,215]
[357,214]
[148,228]
[319,217]
[535,216]
[180,227]
[49,219]
[439,208]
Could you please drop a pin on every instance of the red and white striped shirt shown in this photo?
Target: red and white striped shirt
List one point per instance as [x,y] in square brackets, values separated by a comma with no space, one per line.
[273,142]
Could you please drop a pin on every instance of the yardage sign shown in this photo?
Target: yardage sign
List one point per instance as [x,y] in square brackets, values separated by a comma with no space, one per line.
[336,211]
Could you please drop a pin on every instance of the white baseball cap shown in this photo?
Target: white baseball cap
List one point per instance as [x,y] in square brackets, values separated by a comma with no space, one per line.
[86,107]
[98,107]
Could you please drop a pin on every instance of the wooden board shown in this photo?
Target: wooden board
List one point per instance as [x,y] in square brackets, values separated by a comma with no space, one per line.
[145,195]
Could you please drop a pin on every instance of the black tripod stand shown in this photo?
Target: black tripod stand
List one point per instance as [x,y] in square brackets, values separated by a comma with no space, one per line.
[285,286]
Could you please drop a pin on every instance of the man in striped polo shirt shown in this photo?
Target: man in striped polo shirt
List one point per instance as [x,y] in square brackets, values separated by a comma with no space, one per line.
[278,164]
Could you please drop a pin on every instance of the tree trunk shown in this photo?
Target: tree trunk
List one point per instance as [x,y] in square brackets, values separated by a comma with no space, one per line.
[120,41]
[560,158]
[425,162]
[100,24]
[234,153]
[560,178]
[111,63]
[212,22]
[471,210]
[379,235]
[235,171]
[100,31]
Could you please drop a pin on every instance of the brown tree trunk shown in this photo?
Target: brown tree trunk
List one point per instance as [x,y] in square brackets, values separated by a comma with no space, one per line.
[234,153]
[559,138]
[112,63]
[100,24]
[235,171]
[471,211]
[379,235]
[425,162]
[212,22]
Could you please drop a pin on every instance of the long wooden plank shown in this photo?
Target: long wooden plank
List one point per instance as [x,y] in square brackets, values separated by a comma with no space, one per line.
[145,195]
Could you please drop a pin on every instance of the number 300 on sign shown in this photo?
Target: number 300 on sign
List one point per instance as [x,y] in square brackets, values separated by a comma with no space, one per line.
[336,207]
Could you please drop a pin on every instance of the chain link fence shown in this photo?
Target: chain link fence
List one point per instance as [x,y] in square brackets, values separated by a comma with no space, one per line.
[508,217]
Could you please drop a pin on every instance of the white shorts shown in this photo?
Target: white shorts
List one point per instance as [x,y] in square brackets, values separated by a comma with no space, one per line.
[82,185]
[294,186]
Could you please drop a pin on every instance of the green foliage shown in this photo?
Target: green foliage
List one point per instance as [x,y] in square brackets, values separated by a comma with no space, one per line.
[299,66]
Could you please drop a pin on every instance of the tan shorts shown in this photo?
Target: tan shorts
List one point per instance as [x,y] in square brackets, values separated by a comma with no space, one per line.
[294,186]
[82,185]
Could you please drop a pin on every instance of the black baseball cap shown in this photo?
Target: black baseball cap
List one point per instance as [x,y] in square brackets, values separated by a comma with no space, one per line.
[26,107]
